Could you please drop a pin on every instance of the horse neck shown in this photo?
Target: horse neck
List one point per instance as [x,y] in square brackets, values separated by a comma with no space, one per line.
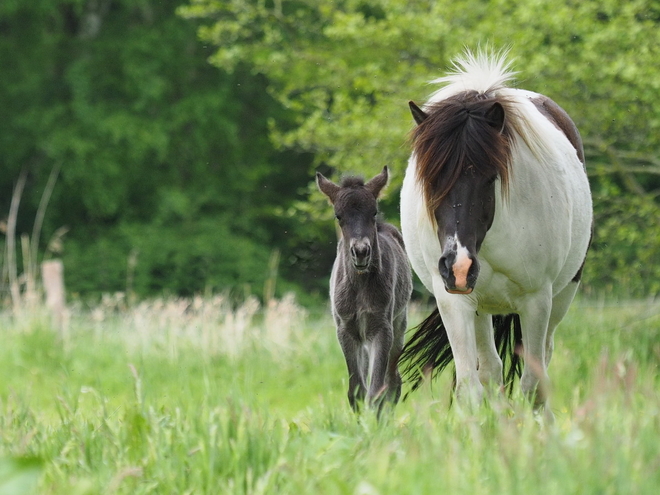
[376,259]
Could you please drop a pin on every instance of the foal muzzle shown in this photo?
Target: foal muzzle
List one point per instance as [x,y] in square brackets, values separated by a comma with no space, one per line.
[361,254]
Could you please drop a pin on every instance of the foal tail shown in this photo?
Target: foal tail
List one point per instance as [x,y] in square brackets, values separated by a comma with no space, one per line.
[428,352]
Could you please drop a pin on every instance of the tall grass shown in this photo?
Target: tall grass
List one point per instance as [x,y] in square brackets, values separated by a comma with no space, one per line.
[197,396]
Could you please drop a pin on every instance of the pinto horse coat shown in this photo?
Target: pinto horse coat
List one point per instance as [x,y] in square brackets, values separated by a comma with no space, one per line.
[496,216]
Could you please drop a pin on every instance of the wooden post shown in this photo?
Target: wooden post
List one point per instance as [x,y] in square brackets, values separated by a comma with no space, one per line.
[52,273]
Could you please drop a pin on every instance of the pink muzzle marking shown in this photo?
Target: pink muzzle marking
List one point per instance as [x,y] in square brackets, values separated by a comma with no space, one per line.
[461,268]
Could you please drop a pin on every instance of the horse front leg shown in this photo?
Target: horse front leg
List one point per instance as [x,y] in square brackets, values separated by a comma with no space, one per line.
[380,336]
[393,376]
[490,363]
[458,315]
[352,347]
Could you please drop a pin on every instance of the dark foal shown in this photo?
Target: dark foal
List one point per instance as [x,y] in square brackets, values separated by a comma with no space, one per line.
[370,287]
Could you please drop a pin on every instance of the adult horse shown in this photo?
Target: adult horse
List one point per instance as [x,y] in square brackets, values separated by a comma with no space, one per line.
[370,287]
[496,216]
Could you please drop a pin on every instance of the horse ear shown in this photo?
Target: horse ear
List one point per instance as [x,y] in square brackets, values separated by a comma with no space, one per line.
[418,114]
[375,185]
[327,187]
[495,116]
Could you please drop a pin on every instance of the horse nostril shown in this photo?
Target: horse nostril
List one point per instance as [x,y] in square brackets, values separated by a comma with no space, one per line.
[361,253]
[445,265]
[473,272]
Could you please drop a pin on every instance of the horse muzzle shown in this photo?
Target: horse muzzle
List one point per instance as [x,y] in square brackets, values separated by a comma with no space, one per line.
[361,254]
[459,271]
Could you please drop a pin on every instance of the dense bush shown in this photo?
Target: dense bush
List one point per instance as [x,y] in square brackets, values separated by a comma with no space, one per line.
[625,254]
[165,161]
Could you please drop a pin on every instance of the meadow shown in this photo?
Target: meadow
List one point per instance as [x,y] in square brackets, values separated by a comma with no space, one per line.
[202,397]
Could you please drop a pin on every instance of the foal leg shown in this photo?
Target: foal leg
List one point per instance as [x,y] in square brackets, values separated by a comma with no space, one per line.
[379,337]
[490,364]
[352,348]
[393,375]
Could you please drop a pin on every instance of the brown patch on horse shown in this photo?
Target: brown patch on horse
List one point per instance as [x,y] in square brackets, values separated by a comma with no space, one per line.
[560,119]
[578,275]
[469,132]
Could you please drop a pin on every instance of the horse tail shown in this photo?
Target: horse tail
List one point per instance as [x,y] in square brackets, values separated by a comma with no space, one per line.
[508,341]
[428,352]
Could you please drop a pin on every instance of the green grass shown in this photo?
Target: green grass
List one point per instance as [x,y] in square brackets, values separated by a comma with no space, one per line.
[156,400]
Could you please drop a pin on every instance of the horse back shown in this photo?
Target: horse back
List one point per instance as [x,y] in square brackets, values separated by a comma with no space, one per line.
[395,265]
[388,230]
[561,120]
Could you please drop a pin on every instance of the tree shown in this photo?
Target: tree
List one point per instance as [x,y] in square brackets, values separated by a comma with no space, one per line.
[348,68]
[165,160]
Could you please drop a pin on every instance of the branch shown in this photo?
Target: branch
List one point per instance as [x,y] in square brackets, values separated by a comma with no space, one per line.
[11,238]
[41,213]
[624,163]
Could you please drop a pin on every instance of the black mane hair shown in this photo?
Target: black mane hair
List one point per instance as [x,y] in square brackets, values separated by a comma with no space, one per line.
[459,133]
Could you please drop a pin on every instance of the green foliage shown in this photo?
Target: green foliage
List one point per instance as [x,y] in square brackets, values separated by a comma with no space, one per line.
[179,176]
[347,69]
[148,407]
[624,259]
[162,155]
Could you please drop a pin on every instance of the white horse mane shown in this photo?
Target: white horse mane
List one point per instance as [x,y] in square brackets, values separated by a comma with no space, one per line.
[489,71]
[484,71]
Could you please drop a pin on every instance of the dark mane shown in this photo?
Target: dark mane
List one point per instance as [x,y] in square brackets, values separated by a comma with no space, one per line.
[457,135]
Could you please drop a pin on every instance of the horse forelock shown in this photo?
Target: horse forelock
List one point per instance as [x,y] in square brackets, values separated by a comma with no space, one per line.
[455,137]
[352,181]
[353,195]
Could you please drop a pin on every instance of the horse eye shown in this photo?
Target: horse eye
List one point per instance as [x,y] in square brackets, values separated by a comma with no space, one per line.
[338,217]
[492,179]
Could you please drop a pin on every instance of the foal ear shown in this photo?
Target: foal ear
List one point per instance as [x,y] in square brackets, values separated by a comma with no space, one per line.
[327,187]
[375,185]
[418,114]
[495,116]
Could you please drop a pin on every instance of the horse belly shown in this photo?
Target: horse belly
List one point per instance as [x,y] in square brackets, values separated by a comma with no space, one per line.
[568,204]
[580,233]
